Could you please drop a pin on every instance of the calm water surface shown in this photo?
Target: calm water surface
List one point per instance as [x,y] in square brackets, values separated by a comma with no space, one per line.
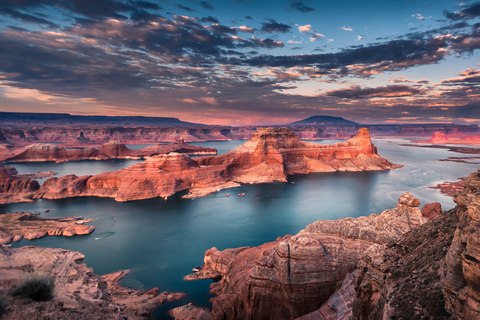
[162,240]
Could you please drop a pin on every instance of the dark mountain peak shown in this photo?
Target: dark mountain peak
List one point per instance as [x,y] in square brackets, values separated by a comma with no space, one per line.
[324,121]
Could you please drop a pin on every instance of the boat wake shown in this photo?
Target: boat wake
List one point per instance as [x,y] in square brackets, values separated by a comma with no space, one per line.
[107,232]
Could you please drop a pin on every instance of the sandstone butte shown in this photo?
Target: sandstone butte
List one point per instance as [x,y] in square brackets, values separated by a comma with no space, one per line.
[79,293]
[393,265]
[443,138]
[271,155]
[111,150]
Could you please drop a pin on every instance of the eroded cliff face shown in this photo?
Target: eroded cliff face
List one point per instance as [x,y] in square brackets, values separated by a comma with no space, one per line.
[462,278]
[159,176]
[294,275]
[271,155]
[15,189]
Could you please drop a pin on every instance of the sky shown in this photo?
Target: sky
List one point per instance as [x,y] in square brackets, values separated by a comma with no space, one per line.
[243,62]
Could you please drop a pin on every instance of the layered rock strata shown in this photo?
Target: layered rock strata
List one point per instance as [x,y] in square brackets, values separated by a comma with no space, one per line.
[160,176]
[274,153]
[79,293]
[271,155]
[462,276]
[294,275]
[25,225]
[15,189]
[111,150]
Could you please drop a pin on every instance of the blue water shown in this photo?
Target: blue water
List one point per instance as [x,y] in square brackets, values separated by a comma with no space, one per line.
[162,240]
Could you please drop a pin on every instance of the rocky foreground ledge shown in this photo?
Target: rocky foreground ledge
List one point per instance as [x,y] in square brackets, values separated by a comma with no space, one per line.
[271,155]
[79,293]
[394,265]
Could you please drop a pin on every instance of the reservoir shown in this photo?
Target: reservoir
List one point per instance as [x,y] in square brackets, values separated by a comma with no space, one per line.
[162,240]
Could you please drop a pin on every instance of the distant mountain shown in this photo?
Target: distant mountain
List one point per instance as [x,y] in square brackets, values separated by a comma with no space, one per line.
[324,121]
[20,118]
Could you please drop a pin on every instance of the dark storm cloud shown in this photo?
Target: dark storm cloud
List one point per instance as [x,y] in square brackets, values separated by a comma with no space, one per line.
[378,92]
[274,26]
[470,12]
[300,6]
[206,5]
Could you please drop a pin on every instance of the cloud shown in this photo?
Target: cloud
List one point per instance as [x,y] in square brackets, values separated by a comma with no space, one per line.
[188,9]
[364,60]
[245,29]
[469,12]
[300,6]
[206,5]
[315,36]
[392,91]
[274,26]
[305,28]
[469,77]
[346,28]
[209,19]
[418,16]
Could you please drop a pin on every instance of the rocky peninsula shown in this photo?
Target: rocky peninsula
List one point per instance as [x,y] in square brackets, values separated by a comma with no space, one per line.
[403,263]
[271,155]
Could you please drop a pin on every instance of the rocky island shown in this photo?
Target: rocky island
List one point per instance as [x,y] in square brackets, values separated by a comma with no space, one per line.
[271,155]
[15,226]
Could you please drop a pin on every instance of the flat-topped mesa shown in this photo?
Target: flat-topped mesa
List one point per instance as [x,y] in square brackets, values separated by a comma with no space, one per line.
[274,153]
[114,149]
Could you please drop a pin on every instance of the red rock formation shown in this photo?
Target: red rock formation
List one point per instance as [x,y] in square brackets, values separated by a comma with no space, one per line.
[294,275]
[432,210]
[14,189]
[452,138]
[462,277]
[79,293]
[110,150]
[274,153]
[270,155]
[18,225]
[159,176]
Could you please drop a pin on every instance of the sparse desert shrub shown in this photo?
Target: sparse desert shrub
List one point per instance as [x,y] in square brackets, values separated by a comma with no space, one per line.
[37,286]
[3,303]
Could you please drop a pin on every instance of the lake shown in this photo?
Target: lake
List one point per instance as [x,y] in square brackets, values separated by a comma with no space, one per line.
[162,240]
